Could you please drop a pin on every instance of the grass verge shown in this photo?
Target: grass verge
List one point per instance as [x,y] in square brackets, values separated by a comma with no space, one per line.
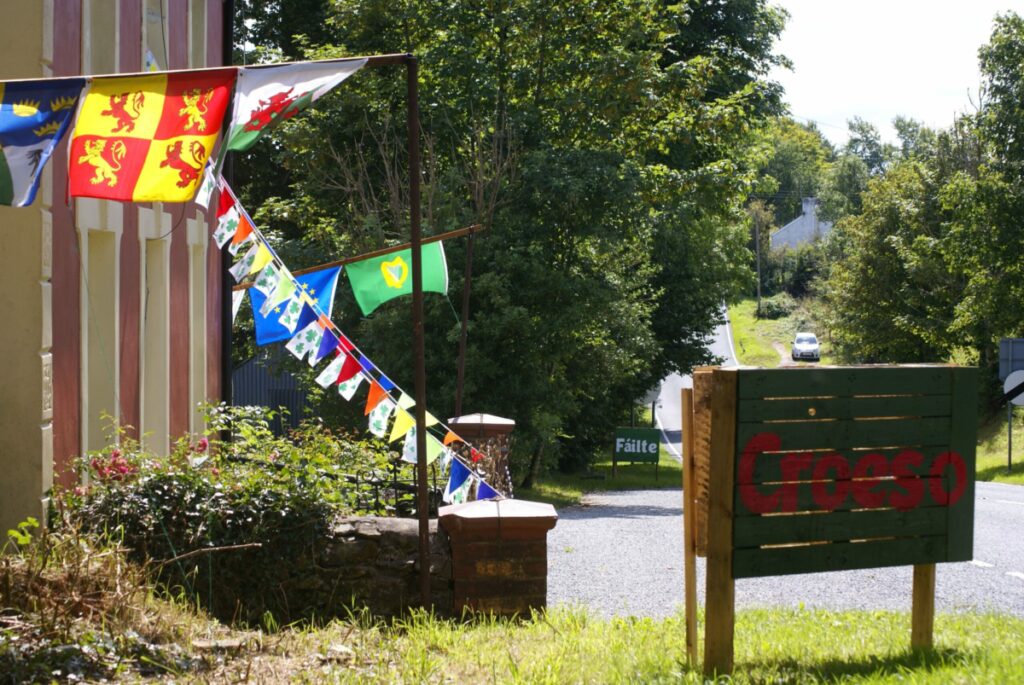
[992,442]
[567,489]
[756,339]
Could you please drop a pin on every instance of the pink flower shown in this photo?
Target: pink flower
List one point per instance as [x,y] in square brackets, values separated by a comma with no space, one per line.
[115,453]
[202,445]
[215,471]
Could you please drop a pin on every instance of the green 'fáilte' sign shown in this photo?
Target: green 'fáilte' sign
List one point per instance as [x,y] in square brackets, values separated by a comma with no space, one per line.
[637,445]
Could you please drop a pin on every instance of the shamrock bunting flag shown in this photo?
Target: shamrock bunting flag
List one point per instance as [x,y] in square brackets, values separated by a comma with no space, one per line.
[379,279]
[305,341]
[459,482]
[33,117]
[347,389]
[329,376]
[266,96]
[380,415]
[317,286]
[243,267]
[147,138]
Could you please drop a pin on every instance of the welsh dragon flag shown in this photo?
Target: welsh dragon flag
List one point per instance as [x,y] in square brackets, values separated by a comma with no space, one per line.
[265,96]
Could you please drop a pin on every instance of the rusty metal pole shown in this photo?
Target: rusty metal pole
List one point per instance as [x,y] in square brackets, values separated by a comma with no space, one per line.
[461,374]
[418,351]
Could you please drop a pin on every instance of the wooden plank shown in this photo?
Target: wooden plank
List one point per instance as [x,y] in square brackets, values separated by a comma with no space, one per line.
[720,597]
[753,531]
[689,535]
[701,454]
[768,468]
[842,435]
[806,502]
[837,556]
[753,410]
[963,440]
[844,381]
[922,616]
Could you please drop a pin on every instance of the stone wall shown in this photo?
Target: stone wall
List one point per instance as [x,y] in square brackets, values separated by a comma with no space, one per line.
[375,562]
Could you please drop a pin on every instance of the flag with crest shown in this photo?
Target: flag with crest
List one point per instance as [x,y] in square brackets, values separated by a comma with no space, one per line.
[33,117]
[147,138]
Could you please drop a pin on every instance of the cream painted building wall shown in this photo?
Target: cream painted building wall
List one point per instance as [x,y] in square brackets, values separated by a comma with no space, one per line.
[27,411]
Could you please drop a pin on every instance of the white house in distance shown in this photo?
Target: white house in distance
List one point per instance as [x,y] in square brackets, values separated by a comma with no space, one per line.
[802,230]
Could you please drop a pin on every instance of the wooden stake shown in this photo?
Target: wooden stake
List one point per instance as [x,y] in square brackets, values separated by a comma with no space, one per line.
[922,621]
[689,536]
[720,609]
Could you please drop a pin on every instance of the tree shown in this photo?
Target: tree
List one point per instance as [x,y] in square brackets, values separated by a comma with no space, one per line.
[606,147]
[866,143]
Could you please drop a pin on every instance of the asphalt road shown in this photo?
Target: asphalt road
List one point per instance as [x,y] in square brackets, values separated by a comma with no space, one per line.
[668,411]
[621,554]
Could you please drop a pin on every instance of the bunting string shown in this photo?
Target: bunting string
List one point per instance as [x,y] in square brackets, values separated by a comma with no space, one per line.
[387,404]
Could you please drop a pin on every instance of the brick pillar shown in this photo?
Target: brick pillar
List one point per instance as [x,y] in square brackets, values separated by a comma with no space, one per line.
[499,554]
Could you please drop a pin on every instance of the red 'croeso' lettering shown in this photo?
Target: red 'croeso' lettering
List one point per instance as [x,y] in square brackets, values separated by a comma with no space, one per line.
[833,480]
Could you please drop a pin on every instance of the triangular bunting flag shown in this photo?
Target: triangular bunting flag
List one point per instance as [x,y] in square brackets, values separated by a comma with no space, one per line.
[404,401]
[243,266]
[227,224]
[267,283]
[305,341]
[458,484]
[347,389]
[485,491]
[236,303]
[409,448]
[328,343]
[207,187]
[375,395]
[350,369]
[329,376]
[403,422]
[451,437]
[434,449]
[290,313]
[263,258]
[379,416]
[243,235]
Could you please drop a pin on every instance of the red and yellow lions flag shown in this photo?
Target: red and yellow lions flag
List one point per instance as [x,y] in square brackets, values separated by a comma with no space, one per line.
[147,138]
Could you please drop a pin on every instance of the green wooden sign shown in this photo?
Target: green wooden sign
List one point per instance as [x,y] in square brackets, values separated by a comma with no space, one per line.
[853,468]
[637,445]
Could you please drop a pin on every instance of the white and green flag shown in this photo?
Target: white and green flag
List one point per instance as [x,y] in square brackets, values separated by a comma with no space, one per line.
[266,96]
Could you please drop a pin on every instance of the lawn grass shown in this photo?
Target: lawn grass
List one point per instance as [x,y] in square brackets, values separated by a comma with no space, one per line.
[572,646]
[991,455]
[567,489]
[755,338]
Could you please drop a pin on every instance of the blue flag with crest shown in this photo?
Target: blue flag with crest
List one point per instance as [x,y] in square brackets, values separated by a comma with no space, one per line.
[33,117]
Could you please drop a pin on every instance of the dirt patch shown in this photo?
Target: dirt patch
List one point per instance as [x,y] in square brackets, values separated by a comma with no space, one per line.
[785,359]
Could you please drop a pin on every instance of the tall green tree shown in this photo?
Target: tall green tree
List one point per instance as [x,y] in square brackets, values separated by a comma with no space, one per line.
[607,146]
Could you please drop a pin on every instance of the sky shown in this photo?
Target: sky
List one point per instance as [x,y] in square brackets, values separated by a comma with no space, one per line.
[877,59]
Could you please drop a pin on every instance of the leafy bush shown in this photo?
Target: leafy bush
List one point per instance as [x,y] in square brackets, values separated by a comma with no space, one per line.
[777,307]
[226,522]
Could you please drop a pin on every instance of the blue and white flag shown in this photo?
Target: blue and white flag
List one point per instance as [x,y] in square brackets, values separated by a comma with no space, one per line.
[318,285]
[459,482]
[33,118]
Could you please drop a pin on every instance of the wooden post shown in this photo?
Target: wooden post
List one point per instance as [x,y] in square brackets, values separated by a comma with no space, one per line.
[719,615]
[922,620]
[689,537]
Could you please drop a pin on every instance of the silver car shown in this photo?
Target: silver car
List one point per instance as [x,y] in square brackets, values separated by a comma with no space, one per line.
[805,346]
